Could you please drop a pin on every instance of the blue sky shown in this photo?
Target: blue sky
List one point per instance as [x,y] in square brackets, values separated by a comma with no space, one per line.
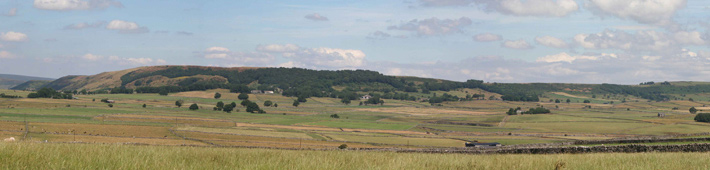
[572,41]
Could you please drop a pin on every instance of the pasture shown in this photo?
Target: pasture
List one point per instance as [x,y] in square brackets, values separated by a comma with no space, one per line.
[396,124]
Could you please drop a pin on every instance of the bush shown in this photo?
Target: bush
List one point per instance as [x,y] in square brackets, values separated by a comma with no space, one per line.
[692,110]
[194,106]
[243,96]
[343,146]
[702,117]
[268,103]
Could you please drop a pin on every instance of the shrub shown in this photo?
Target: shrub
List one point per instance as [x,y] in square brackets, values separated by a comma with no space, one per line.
[268,103]
[243,96]
[194,106]
[702,117]
[693,110]
[343,146]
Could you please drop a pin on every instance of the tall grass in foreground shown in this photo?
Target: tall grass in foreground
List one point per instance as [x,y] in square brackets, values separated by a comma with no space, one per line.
[100,156]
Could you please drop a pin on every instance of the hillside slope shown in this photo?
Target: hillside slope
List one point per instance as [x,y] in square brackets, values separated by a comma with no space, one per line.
[10,80]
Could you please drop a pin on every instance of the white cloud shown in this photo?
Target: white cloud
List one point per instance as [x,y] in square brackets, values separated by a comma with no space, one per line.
[550,8]
[6,55]
[278,48]
[656,12]
[11,12]
[63,5]
[13,36]
[487,37]
[328,57]
[120,60]
[641,41]
[217,49]
[434,26]
[242,58]
[91,57]
[692,37]
[517,44]
[551,42]
[126,27]
[651,58]
[564,57]
[436,3]
[316,17]
[83,25]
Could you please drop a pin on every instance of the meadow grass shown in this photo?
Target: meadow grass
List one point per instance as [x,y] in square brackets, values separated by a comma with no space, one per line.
[95,156]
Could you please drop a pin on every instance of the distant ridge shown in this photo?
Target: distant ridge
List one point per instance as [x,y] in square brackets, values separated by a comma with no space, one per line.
[11,80]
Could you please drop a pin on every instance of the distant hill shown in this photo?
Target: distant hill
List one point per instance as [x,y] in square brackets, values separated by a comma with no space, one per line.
[31,85]
[351,84]
[10,80]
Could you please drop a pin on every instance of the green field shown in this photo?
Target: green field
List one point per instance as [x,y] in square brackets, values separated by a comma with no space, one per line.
[93,156]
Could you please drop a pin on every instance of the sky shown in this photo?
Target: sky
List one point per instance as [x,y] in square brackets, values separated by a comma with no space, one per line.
[512,41]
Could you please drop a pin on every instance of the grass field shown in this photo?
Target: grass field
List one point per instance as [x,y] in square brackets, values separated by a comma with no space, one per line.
[395,124]
[93,156]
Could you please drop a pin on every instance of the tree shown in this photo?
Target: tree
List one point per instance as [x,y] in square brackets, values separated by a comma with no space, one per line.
[335,116]
[343,146]
[194,106]
[693,110]
[557,100]
[245,102]
[163,92]
[268,103]
[243,96]
[110,105]
[217,95]
[296,103]
[220,105]
[178,103]
[587,101]
[234,104]
[302,99]
[228,108]
[568,100]
[276,105]
[345,101]
[702,117]
[252,107]
[144,105]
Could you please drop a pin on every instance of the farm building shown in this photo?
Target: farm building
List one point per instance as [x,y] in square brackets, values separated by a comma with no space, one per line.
[366,97]
[268,92]
[256,92]
[482,145]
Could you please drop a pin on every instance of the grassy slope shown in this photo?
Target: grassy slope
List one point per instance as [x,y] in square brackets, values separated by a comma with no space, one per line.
[93,156]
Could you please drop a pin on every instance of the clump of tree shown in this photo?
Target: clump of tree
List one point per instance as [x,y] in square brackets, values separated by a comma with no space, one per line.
[121,90]
[702,117]
[3,95]
[194,106]
[179,103]
[512,111]
[252,107]
[243,96]
[268,103]
[693,110]
[50,93]
[375,100]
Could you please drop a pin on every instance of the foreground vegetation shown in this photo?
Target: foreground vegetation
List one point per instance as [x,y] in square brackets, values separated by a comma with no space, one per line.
[94,156]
